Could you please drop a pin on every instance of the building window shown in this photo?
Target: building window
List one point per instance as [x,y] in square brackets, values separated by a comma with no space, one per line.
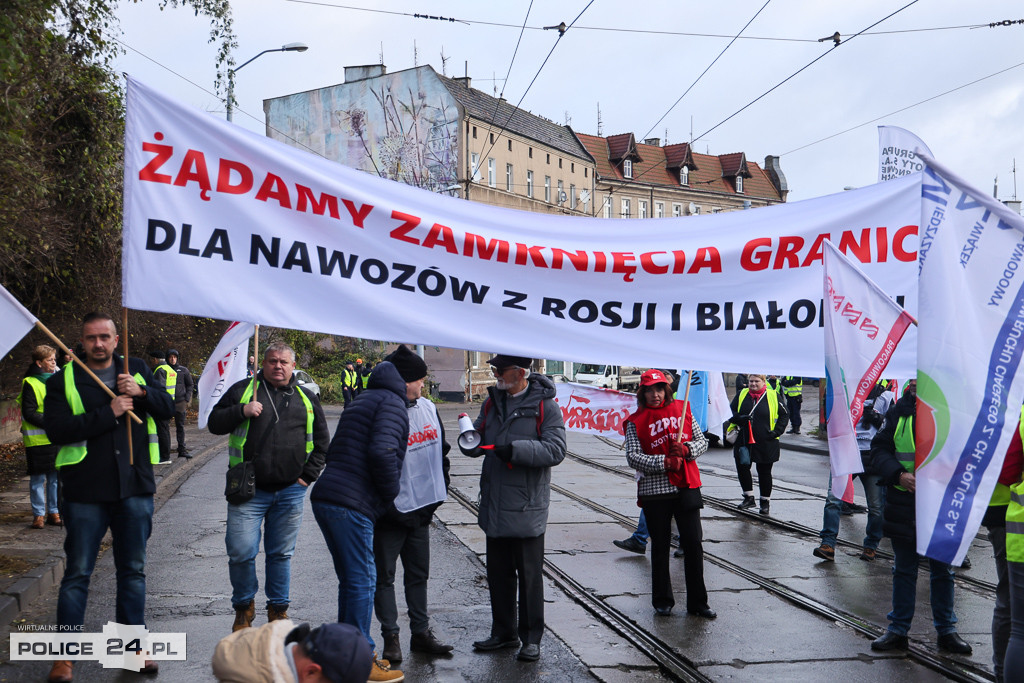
[677,210]
[684,176]
[475,164]
[586,172]
[641,209]
[696,209]
[492,180]
[561,192]
[474,132]
[739,184]
[572,196]
[492,138]
[529,184]
[625,209]
[572,168]
[548,158]
[559,163]
[510,145]
[547,188]
[627,168]
[608,206]
[508,178]
[531,152]
[659,209]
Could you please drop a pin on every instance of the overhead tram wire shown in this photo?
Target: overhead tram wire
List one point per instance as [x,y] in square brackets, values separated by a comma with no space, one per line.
[686,92]
[508,73]
[803,68]
[614,29]
[561,32]
[903,109]
[214,95]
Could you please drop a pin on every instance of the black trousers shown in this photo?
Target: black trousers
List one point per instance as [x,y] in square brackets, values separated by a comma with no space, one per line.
[659,514]
[764,478]
[516,563]
[179,425]
[163,438]
[793,404]
[413,545]
[348,393]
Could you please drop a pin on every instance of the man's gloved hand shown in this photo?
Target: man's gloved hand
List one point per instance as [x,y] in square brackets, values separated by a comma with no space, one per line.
[504,453]
[740,419]
[474,452]
[673,463]
[678,449]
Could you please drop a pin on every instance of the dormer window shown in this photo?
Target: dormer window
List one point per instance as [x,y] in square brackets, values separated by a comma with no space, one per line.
[627,168]
[739,184]
[684,176]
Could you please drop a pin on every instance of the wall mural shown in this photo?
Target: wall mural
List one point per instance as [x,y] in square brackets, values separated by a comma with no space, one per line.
[402,126]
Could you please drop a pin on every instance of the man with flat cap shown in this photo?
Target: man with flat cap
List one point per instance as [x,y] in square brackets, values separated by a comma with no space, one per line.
[282,651]
[523,438]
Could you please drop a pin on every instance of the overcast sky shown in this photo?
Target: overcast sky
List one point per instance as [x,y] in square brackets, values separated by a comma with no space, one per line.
[635,75]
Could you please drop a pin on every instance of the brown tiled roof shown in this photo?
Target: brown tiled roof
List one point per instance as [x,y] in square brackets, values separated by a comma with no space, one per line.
[521,122]
[708,172]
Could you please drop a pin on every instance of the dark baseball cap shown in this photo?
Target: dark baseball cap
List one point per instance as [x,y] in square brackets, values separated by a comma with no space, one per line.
[502,361]
[341,651]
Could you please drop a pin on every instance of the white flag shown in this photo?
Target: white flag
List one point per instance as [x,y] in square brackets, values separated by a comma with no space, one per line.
[591,410]
[17,321]
[863,327]
[227,365]
[969,390]
[718,404]
[896,156]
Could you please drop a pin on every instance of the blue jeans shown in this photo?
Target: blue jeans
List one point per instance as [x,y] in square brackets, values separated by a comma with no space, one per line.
[280,513]
[349,537]
[42,490]
[130,521]
[875,494]
[904,591]
[641,534]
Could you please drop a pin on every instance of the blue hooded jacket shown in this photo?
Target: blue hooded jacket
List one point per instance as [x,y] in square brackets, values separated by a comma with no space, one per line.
[364,460]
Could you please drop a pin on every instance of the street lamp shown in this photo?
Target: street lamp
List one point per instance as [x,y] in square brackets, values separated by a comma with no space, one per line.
[290,47]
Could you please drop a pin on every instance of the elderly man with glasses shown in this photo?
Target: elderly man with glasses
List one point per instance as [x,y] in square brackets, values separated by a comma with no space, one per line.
[523,438]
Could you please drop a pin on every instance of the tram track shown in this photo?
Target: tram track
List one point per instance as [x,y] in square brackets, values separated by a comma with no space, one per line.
[952,669]
[792,527]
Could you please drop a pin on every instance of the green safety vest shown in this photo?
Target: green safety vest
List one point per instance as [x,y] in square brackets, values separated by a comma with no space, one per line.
[905,444]
[1015,516]
[74,453]
[171,377]
[30,434]
[365,379]
[1001,495]
[773,404]
[774,385]
[349,378]
[795,390]
[236,442]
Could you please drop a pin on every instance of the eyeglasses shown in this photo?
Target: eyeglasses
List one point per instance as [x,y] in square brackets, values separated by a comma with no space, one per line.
[498,372]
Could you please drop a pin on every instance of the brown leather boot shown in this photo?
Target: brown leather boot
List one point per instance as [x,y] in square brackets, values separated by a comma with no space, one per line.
[53,519]
[60,672]
[38,521]
[244,616]
[275,613]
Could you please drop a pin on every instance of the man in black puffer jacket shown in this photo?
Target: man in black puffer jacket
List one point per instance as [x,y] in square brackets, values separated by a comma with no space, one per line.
[892,458]
[358,485]
[404,530]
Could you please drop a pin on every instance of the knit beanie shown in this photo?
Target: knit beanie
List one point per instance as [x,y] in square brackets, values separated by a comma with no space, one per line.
[409,365]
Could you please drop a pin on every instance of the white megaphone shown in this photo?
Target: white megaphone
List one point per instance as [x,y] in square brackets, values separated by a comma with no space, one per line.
[469,438]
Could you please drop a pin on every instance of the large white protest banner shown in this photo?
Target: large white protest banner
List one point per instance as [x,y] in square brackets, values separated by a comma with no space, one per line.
[17,321]
[969,390]
[592,410]
[896,156]
[220,222]
[227,365]
[863,328]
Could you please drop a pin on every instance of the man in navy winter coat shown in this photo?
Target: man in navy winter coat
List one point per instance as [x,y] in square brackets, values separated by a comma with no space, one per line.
[357,486]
